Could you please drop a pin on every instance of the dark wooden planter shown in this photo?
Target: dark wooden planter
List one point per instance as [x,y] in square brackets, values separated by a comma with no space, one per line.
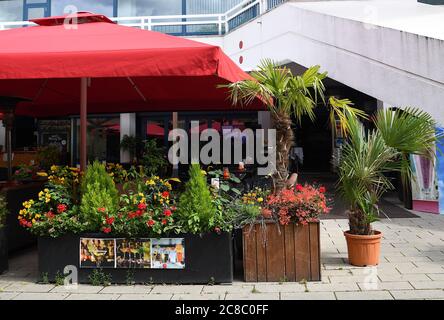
[3,251]
[293,254]
[208,258]
[18,237]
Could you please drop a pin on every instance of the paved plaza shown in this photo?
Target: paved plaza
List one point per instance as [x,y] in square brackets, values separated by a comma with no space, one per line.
[412,267]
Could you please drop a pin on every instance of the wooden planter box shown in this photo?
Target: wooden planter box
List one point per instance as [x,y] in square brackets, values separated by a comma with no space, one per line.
[3,251]
[281,253]
[208,258]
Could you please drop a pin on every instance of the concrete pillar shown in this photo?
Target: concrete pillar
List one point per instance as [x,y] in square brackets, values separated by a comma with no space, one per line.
[127,127]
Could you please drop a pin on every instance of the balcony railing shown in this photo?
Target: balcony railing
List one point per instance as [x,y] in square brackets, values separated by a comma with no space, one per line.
[189,25]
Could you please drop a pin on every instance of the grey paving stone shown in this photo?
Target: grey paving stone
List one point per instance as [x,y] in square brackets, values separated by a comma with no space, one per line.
[316,287]
[8,295]
[396,285]
[428,284]
[252,296]
[138,296]
[81,288]
[404,277]
[207,296]
[417,294]
[308,296]
[121,289]
[92,296]
[40,296]
[364,295]
[436,276]
[29,287]
[176,289]
[285,287]
[222,289]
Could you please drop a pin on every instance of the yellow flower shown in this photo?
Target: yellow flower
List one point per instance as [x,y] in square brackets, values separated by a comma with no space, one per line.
[46,190]
[260,199]
[33,220]
[47,200]
[150,182]
[203,172]
[42,174]
[54,168]
[37,216]
[41,194]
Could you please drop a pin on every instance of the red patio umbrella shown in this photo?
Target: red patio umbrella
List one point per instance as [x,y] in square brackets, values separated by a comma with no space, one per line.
[66,63]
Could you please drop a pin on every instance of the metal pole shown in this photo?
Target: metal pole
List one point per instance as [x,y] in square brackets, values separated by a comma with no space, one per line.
[9,150]
[83,122]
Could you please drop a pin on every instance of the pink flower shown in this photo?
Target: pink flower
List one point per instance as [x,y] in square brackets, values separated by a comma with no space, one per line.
[322,190]
[299,187]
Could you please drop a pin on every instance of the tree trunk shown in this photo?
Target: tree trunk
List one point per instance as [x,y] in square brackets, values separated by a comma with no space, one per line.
[284,142]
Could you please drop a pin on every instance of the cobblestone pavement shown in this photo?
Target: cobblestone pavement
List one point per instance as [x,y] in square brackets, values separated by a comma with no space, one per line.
[412,267]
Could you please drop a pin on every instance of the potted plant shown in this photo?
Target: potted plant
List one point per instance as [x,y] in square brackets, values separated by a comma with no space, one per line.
[3,242]
[288,96]
[366,158]
[24,173]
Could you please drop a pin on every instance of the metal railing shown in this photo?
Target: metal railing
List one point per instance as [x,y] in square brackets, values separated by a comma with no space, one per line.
[188,25]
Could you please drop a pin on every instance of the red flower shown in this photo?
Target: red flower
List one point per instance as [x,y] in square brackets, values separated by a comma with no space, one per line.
[165,194]
[217,229]
[299,187]
[167,212]
[266,213]
[131,215]
[50,215]
[142,206]
[164,266]
[101,209]
[164,221]
[322,190]
[61,208]
[109,220]
[106,230]
[139,213]
[150,223]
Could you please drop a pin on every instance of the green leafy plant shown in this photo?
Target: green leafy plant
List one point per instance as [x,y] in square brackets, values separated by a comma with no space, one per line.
[98,194]
[59,279]
[368,156]
[48,156]
[130,144]
[24,172]
[44,279]
[3,210]
[99,278]
[196,209]
[153,158]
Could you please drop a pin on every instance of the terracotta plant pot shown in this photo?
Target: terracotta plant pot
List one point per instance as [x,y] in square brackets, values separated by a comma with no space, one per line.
[363,250]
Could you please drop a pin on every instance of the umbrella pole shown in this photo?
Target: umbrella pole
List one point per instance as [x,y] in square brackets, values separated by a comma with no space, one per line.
[83,122]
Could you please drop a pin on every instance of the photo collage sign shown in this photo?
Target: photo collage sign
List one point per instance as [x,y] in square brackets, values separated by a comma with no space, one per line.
[145,253]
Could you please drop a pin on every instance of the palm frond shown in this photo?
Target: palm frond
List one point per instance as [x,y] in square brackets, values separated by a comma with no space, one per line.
[343,110]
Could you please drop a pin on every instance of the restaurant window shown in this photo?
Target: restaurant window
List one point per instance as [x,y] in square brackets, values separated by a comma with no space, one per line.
[103,139]
[128,8]
[105,7]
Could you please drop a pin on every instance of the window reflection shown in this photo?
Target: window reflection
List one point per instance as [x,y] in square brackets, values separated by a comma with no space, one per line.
[103,142]
[11,10]
[60,7]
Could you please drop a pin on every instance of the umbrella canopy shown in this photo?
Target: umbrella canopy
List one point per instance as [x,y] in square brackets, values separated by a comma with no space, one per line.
[129,69]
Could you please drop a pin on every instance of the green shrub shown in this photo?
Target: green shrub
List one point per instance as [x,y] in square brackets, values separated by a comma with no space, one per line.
[196,209]
[3,210]
[98,192]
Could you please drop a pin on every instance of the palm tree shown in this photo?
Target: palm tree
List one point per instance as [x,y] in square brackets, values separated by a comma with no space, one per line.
[366,157]
[286,96]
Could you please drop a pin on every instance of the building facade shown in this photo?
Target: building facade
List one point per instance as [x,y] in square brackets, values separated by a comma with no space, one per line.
[381,54]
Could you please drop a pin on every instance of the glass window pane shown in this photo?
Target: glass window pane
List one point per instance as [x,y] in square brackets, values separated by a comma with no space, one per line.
[60,7]
[128,8]
[34,13]
[103,139]
[11,10]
